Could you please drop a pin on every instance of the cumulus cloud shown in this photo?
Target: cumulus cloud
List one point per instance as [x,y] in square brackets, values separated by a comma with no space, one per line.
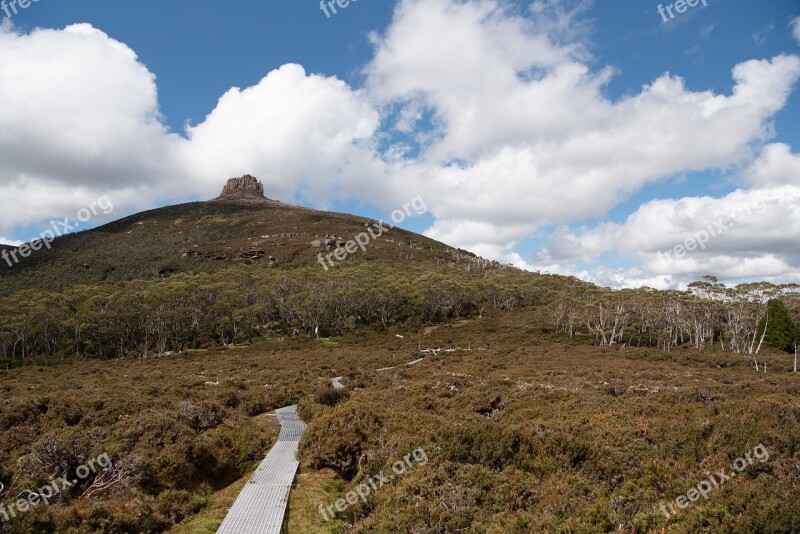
[749,233]
[79,118]
[522,127]
[7,241]
[777,165]
[302,134]
[795,25]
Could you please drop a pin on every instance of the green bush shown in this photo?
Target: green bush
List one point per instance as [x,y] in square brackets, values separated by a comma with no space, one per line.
[782,333]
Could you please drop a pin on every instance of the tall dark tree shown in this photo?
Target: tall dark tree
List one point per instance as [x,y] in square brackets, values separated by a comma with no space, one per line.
[782,333]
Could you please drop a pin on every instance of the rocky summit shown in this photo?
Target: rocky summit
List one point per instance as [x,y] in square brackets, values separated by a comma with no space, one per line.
[245,188]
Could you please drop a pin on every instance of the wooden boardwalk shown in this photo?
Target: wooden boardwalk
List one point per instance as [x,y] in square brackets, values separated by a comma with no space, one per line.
[261,505]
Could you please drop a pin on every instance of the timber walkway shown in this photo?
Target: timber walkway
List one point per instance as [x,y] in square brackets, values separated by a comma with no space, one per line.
[261,505]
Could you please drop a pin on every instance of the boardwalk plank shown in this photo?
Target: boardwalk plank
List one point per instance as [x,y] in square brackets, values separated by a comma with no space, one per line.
[261,505]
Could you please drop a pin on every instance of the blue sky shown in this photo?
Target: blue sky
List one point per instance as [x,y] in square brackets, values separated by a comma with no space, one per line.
[375,63]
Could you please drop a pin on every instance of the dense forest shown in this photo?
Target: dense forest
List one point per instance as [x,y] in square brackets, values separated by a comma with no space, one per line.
[239,304]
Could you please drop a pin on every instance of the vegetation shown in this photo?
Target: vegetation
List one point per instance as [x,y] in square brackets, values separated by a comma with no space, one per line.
[777,327]
[240,304]
[178,429]
[545,404]
[207,237]
[535,436]
[532,433]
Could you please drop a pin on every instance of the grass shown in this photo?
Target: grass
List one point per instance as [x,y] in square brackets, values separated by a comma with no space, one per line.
[211,517]
[312,489]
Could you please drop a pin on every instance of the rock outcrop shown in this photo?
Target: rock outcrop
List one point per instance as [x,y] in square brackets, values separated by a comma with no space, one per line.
[245,188]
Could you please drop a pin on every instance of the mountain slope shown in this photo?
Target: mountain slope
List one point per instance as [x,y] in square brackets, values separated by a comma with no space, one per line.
[206,236]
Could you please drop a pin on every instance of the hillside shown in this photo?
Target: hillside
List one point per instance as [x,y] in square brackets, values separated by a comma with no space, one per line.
[204,237]
[578,311]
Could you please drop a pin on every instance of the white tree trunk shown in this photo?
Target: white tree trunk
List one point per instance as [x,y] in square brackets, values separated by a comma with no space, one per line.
[763,335]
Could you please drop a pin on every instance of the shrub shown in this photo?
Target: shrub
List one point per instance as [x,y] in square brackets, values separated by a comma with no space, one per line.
[175,505]
[338,439]
[330,396]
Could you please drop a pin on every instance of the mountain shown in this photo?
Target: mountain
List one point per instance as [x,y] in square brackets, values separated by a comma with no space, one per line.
[241,226]
[235,269]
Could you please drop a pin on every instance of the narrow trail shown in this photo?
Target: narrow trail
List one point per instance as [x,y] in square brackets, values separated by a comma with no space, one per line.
[261,505]
[415,362]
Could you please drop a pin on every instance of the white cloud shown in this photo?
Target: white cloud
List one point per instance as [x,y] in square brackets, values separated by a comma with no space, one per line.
[776,166]
[795,24]
[619,278]
[706,31]
[749,233]
[301,134]
[78,118]
[7,241]
[535,140]
[762,34]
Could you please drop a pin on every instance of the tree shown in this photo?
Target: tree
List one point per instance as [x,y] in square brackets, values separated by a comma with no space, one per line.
[777,327]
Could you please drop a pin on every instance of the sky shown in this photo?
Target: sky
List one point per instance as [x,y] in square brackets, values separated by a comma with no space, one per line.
[626,142]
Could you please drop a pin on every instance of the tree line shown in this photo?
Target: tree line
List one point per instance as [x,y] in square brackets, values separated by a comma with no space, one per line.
[241,304]
[709,314]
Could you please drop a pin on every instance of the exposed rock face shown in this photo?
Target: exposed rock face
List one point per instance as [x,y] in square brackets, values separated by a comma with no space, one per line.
[245,188]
